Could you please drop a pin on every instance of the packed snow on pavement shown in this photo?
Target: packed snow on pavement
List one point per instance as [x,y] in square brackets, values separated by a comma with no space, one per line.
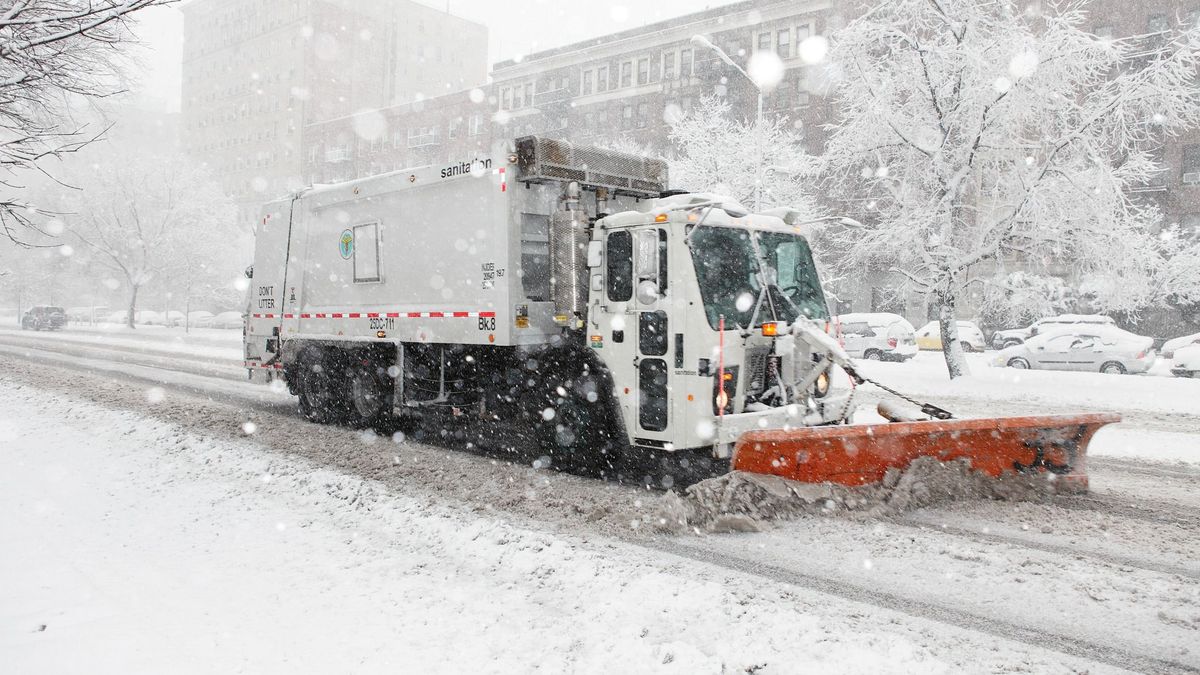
[137,547]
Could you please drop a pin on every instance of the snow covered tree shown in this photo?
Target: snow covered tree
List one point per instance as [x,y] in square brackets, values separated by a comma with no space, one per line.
[143,216]
[50,52]
[982,132]
[717,153]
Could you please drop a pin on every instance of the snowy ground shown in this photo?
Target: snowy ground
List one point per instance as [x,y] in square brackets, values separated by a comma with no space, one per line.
[152,534]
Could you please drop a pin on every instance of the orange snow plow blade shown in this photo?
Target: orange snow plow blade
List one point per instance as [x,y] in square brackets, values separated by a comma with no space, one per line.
[862,454]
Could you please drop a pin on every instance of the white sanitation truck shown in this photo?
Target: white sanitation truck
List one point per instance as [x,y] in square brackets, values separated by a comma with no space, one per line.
[552,286]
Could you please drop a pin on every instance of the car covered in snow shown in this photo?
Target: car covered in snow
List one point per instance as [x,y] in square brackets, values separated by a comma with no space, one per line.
[1186,361]
[200,319]
[1085,347]
[227,320]
[1015,336]
[44,317]
[969,335]
[1171,346]
[877,336]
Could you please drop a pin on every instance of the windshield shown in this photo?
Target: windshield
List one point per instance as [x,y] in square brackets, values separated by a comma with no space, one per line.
[731,276]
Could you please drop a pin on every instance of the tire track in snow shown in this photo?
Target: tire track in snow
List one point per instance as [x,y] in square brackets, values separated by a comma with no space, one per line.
[1105,653]
[923,524]
[880,597]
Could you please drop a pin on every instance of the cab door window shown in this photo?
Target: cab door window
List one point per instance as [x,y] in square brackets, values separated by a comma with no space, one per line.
[619,267]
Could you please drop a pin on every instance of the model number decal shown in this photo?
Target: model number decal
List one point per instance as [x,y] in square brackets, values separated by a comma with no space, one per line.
[382,323]
[487,323]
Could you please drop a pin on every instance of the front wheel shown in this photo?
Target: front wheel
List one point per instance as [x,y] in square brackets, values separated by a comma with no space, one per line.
[873,355]
[967,348]
[1113,368]
[1018,363]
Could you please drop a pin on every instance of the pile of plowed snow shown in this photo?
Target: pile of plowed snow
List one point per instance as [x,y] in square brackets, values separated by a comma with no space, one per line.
[741,501]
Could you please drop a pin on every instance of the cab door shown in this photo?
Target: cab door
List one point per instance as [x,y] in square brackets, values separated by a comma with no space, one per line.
[655,340]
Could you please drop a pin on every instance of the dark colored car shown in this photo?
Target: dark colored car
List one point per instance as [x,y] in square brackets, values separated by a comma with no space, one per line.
[44,317]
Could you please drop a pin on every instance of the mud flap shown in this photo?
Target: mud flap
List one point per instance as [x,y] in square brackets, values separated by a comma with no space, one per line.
[862,454]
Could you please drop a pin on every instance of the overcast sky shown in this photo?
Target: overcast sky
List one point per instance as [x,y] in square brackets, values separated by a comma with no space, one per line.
[515,27]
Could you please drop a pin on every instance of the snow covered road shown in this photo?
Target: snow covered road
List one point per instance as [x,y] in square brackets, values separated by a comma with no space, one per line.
[1110,583]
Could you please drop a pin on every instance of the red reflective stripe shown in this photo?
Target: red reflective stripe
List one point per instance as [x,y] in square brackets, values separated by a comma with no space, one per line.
[393,315]
[336,315]
[459,315]
[354,315]
[306,316]
[319,316]
[372,315]
[289,316]
[487,315]
[436,315]
[413,315]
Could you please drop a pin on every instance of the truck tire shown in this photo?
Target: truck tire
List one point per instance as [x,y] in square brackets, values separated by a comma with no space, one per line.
[574,416]
[369,393]
[322,386]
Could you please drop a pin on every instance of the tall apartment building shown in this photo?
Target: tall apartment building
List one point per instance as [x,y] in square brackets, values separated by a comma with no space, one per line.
[619,88]
[257,73]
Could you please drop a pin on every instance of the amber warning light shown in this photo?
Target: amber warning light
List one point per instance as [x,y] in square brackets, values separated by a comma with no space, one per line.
[770,329]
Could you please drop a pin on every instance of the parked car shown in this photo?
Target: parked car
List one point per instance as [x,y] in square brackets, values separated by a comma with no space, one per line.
[1187,361]
[1015,336]
[1089,347]
[930,337]
[878,336]
[148,317]
[1171,346]
[200,319]
[44,317]
[227,320]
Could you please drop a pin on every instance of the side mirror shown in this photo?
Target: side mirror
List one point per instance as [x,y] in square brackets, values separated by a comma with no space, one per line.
[595,254]
[647,293]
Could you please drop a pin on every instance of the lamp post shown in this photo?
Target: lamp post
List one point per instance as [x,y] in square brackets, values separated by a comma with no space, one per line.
[758,165]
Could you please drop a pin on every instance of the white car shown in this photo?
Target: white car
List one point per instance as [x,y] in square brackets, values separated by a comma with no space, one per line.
[200,319]
[969,336]
[1097,348]
[877,336]
[1171,346]
[1015,336]
[1187,361]
[227,320]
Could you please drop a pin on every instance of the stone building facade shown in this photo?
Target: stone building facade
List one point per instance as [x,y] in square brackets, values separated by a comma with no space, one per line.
[257,73]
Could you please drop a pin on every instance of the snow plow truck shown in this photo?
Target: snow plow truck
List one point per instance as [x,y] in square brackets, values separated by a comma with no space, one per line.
[568,289]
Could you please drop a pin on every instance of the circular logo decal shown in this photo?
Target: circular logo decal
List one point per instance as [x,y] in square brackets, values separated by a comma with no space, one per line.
[346,244]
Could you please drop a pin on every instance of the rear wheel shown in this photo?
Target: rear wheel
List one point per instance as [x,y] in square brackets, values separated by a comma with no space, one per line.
[1018,363]
[873,355]
[322,387]
[370,396]
[1010,343]
[1113,368]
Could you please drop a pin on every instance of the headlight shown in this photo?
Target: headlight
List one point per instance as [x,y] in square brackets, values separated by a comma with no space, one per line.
[821,386]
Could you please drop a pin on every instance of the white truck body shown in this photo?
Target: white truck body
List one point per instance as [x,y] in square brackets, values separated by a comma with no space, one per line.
[430,289]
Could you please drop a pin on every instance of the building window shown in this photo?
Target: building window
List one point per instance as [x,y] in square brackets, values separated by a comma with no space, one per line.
[586,82]
[1105,32]
[803,33]
[420,137]
[668,72]
[783,43]
[627,117]
[589,120]
[602,78]
[643,71]
[476,125]
[506,99]
[764,42]
[685,63]
[643,115]
[1191,164]
[626,73]
[1157,23]
[519,98]
[452,131]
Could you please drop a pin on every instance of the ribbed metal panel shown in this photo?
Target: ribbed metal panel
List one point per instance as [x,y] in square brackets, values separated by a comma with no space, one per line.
[545,159]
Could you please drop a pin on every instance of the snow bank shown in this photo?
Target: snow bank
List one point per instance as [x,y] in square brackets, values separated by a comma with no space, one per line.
[741,501]
[134,547]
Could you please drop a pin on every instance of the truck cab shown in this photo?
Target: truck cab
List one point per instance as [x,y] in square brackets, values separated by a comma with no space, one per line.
[691,305]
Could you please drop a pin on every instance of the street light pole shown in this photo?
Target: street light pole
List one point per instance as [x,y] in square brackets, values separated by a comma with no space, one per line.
[758,139]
